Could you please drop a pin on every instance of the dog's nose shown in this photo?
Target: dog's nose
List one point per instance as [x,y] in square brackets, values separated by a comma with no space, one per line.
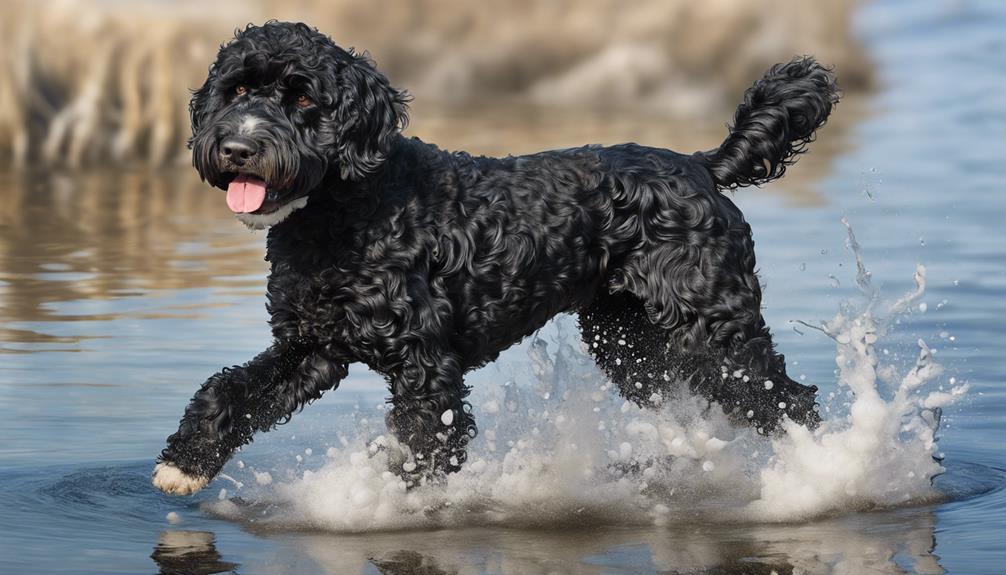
[238,149]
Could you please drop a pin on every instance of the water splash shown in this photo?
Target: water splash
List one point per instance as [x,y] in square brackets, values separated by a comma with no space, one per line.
[883,453]
[559,446]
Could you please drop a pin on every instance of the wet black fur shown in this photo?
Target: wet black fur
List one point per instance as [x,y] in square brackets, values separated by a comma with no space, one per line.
[425,264]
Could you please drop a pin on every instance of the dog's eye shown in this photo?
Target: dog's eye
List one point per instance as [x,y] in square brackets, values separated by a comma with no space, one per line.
[240,91]
[303,101]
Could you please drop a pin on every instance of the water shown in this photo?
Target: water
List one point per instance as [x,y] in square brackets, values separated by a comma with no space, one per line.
[121,292]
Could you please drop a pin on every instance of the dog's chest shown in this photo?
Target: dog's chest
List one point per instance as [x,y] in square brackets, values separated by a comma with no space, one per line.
[363,308]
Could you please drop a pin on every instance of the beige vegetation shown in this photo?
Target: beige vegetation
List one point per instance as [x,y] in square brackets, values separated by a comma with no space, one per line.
[100,81]
[107,81]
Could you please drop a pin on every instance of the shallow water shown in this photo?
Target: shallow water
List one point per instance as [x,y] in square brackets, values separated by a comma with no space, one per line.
[120,293]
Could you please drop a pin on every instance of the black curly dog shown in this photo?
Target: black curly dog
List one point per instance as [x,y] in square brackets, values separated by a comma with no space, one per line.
[425,264]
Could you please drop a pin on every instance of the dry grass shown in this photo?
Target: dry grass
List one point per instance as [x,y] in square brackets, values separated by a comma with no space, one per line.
[86,84]
[107,81]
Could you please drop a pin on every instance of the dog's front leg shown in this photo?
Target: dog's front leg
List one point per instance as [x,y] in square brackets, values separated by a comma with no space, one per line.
[430,419]
[235,403]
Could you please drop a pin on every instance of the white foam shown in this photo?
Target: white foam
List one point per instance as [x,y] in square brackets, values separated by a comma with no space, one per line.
[558,445]
[881,454]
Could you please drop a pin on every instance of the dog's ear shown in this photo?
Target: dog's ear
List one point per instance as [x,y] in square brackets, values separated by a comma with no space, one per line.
[368,114]
[199,108]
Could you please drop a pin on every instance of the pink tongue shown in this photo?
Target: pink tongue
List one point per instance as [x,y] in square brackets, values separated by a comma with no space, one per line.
[245,194]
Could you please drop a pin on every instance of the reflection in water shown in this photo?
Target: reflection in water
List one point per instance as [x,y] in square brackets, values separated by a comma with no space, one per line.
[402,562]
[69,243]
[99,506]
[189,553]
[893,542]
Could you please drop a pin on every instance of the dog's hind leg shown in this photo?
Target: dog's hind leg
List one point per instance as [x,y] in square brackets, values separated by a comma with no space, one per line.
[704,296]
[237,402]
[628,347]
[642,359]
[429,417]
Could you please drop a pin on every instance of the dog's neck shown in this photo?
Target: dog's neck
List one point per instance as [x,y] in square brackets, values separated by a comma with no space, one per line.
[343,217]
[328,229]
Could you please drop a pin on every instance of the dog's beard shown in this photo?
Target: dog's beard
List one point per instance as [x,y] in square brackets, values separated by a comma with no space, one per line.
[283,158]
[280,163]
[262,221]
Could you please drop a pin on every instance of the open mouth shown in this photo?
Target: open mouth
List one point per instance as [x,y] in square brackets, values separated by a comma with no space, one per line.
[256,202]
[246,194]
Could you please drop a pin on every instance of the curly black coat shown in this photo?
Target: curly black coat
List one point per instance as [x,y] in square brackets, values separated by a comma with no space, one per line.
[425,264]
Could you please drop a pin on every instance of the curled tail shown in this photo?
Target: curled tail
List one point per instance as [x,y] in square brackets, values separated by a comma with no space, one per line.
[774,124]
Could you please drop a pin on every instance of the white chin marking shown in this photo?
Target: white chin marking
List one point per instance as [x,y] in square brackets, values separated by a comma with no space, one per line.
[262,221]
[174,481]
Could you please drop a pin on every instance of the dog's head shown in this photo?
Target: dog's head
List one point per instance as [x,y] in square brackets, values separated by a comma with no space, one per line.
[283,110]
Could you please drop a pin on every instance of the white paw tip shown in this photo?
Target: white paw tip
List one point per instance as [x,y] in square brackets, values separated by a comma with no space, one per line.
[174,481]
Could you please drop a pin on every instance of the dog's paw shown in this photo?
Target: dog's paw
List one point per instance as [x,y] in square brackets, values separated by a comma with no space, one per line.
[173,481]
